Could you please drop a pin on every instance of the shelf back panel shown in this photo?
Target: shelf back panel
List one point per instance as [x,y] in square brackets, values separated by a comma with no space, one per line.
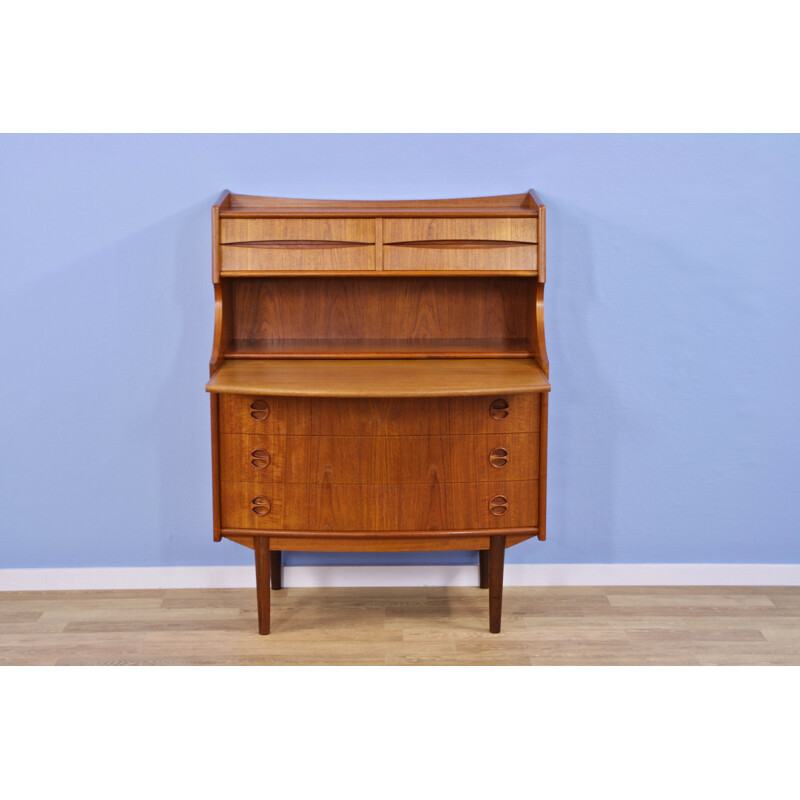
[304,315]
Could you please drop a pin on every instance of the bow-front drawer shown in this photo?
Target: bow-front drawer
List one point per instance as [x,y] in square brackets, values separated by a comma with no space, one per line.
[369,507]
[271,458]
[322,416]
[297,244]
[496,245]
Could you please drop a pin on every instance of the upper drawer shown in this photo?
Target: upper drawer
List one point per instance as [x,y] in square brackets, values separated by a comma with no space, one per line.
[282,245]
[323,416]
[460,244]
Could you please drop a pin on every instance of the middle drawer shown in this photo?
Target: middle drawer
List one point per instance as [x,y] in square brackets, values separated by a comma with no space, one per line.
[271,458]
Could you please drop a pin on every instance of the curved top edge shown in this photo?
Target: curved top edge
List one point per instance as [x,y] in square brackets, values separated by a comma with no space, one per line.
[244,201]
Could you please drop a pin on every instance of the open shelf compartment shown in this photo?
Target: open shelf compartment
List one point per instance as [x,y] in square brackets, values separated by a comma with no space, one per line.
[360,317]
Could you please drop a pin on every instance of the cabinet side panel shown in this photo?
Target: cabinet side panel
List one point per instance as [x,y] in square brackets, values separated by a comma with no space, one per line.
[544,398]
[536,340]
[215,467]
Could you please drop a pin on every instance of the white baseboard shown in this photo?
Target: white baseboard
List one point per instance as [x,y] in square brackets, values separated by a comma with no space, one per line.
[428,575]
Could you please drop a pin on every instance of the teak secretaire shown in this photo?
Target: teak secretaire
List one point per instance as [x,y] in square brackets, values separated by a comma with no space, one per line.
[379,378]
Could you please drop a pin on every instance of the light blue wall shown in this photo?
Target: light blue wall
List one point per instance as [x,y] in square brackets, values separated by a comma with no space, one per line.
[673,323]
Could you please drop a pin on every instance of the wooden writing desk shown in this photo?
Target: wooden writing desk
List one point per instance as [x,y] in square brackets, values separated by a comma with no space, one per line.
[379,378]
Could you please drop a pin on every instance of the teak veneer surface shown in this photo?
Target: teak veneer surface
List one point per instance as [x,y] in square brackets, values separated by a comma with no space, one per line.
[350,414]
[291,244]
[244,206]
[275,231]
[387,542]
[329,507]
[270,458]
[460,244]
[414,231]
[379,377]
[359,312]
[377,348]
[379,416]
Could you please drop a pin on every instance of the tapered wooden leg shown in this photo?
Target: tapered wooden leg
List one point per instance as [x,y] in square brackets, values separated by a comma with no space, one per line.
[276,576]
[483,568]
[497,556]
[262,582]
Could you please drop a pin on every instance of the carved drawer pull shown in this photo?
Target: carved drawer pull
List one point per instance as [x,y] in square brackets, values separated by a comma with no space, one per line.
[260,458]
[498,457]
[498,505]
[260,409]
[261,506]
[498,409]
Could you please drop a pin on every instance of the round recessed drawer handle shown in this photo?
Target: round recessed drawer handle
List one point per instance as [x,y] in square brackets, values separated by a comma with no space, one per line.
[498,457]
[261,506]
[498,409]
[260,458]
[260,409]
[498,505]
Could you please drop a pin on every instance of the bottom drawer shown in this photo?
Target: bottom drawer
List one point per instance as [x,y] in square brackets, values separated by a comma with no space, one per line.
[353,507]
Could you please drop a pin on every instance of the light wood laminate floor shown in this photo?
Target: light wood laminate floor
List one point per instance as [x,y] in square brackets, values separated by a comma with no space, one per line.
[434,626]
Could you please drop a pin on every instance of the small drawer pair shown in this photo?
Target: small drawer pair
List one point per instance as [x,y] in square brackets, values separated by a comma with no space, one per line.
[407,245]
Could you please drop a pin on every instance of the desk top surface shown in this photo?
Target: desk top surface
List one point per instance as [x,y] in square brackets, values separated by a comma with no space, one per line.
[379,377]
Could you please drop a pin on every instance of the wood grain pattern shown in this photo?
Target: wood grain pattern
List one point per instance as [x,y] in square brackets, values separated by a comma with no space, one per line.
[542,473]
[222,339]
[342,313]
[222,203]
[536,344]
[216,502]
[263,567]
[366,507]
[397,231]
[446,259]
[379,348]
[320,230]
[361,416]
[372,274]
[497,553]
[377,459]
[249,206]
[379,378]
[353,414]
[460,244]
[385,543]
[541,211]
[378,245]
[310,244]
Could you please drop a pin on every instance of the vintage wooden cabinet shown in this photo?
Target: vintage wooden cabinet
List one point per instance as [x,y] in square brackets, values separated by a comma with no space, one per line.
[379,378]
